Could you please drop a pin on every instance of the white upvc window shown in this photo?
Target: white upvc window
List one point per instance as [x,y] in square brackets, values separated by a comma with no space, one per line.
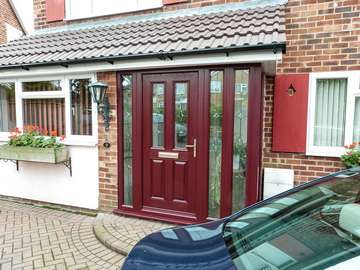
[334,112]
[77,9]
[59,103]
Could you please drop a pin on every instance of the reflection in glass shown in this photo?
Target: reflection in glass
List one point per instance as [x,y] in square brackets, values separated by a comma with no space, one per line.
[127,134]
[240,138]
[81,107]
[41,86]
[312,228]
[158,114]
[7,107]
[181,114]
[47,113]
[215,141]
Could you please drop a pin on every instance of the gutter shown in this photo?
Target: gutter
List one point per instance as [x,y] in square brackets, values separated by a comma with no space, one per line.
[278,47]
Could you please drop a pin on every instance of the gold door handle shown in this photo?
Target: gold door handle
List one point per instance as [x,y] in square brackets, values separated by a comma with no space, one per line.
[193,146]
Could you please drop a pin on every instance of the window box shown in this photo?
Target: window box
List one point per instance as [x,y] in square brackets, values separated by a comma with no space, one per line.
[27,153]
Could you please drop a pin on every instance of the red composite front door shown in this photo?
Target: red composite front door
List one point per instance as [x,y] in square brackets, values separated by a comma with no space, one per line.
[170,129]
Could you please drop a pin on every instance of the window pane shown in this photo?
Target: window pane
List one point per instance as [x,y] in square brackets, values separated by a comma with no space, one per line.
[48,114]
[356,137]
[181,114]
[7,107]
[240,138]
[158,114]
[41,86]
[215,141]
[127,134]
[330,108]
[81,107]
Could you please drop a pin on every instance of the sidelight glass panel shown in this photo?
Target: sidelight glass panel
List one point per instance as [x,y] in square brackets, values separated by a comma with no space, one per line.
[240,138]
[49,114]
[356,136]
[81,107]
[330,110]
[41,86]
[158,114]
[7,107]
[127,137]
[215,141]
[181,114]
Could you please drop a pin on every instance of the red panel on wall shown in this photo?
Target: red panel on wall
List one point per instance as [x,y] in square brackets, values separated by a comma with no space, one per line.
[290,113]
[169,2]
[55,10]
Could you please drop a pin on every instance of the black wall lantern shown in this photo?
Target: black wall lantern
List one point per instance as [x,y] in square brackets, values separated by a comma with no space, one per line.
[98,92]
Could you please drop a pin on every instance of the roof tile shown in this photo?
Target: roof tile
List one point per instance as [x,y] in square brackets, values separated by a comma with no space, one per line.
[237,28]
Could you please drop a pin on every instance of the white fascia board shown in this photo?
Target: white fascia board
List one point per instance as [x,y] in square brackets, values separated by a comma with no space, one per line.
[263,56]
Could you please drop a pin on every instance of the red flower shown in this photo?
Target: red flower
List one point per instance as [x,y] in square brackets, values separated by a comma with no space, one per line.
[352,146]
[53,133]
[62,137]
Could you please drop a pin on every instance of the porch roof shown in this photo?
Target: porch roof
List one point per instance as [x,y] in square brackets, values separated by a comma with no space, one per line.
[235,30]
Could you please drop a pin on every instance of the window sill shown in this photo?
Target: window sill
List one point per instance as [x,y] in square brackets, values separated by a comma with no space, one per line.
[326,152]
[80,142]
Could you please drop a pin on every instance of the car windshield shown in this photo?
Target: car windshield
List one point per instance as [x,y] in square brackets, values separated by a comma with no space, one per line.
[317,227]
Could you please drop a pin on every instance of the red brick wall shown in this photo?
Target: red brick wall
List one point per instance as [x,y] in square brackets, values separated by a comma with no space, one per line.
[322,35]
[40,18]
[7,15]
[108,176]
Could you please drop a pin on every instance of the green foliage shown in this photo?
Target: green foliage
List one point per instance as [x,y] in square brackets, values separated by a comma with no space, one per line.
[352,156]
[35,137]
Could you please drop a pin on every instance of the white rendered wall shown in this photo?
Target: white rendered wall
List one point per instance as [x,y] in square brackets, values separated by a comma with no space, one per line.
[52,183]
[12,33]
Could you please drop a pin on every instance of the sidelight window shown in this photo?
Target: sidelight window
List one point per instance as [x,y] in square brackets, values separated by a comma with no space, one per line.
[215,141]
[127,119]
[240,138]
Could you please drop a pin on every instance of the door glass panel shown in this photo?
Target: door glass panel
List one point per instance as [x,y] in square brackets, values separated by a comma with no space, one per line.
[181,114]
[127,137]
[240,138]
[158,114]
[215,141]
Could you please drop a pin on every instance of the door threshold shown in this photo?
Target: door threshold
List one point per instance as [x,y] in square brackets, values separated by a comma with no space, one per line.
[159,215]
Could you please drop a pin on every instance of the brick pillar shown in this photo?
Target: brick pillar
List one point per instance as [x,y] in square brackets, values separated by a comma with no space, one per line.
[108,163]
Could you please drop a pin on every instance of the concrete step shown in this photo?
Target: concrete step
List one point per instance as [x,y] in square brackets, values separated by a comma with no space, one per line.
[120,234]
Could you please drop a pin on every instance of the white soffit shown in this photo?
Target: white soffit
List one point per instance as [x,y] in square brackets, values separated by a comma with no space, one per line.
[267,58]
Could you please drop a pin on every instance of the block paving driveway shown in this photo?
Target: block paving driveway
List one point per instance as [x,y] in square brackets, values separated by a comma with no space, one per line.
[39,238]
